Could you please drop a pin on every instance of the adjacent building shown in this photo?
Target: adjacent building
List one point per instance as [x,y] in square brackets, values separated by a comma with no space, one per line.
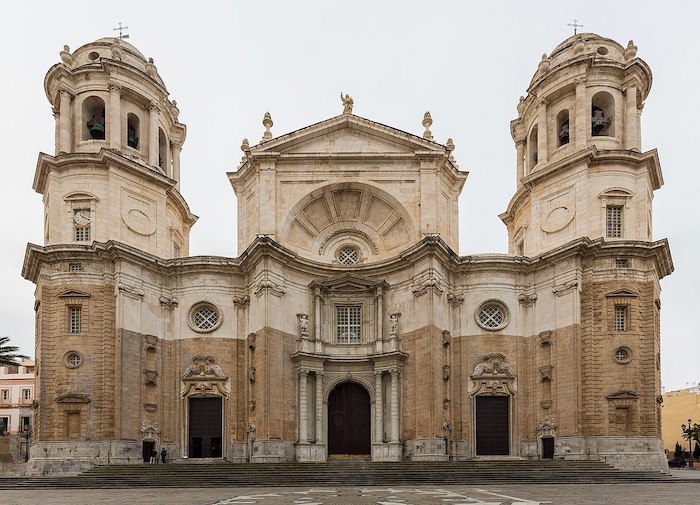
[16,400]
[348,324]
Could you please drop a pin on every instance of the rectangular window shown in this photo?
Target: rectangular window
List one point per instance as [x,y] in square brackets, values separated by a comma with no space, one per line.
[613,221]
[26,394]
[349,320]
[5,395]
[621,318]
[621,263]
[4,425]
[75,267]
[176,251]
[25,423]
[82,233]
[74,319]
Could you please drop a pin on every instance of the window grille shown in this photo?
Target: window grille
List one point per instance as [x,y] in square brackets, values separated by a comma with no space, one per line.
[5,394]
[74,359]
[613,221]
[621,263]
[75,320]
[176,251]
[26,394]
[82,233]
[491,316]
[621,318]
[621,355]
[348,256]
[349,322]
[205,318]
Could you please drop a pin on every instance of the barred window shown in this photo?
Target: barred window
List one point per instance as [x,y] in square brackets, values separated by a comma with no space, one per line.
[613,221]
[621,263]
[621,322]
[204,317]
[82,233]
[348,256]
[5,394]
[622,355]
[74,319]
[75,267]
[492,315]
[26,394]
[349,322]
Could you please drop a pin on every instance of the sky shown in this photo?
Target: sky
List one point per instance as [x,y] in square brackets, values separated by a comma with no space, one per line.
[227,63]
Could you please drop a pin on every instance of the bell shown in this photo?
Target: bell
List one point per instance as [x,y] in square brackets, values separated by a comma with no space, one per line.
[564,133]
[598,121]
[97,131]
[132,140]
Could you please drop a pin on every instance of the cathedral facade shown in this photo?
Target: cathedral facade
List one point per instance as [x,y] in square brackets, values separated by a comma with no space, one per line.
[348,326]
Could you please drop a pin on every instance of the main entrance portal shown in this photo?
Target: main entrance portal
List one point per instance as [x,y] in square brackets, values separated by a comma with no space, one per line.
[492,437]
[349,420]
[205,428]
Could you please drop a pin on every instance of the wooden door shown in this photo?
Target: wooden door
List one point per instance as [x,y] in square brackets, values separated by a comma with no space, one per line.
[349,420]
[548,448]
[205,428]
[492,426]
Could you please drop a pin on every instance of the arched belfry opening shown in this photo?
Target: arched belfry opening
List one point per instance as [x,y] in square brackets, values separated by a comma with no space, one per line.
[349,421]
[532,151]
[602,115]
[132,130]
[94,125]
[563,127]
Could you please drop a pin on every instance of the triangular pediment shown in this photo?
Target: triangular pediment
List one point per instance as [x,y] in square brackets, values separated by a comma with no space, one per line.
[622,293]
[347,282]
[347,133]
[73,293]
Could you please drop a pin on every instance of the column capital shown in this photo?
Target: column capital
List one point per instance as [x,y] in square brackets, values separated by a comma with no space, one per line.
[303,372]
[114,87]
[64,92]
[581,81]
[176,145]
[154,106]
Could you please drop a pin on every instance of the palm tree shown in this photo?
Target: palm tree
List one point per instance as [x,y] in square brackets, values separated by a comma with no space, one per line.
[8,353]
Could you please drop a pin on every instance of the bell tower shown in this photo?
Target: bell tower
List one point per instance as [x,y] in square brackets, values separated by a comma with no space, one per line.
[115,174]
[580,169]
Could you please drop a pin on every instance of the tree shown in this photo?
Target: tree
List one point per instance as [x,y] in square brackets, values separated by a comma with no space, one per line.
[696,451]
[678,452]
[8,353]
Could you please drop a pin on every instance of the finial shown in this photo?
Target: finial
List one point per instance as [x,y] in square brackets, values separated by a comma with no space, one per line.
[121,30]
[575,25]
[116,50]
[578,46]
[450,145]
[521,105]
[174,109]
[66,57]
[544,64]
[630,50]
[245,146]
[348,102]
[427,121]
[151,68]
[267,123]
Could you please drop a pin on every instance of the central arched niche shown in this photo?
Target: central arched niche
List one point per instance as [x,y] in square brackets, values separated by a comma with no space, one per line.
[345,215]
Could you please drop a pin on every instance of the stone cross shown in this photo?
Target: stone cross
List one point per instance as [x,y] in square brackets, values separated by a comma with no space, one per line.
[120,29]
[575,25]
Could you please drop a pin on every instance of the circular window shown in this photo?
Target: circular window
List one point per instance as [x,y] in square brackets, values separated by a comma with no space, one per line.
[622,355]
[492,315]
[602,50]
[204,317]
[93,55]
[348,255]
[73,359]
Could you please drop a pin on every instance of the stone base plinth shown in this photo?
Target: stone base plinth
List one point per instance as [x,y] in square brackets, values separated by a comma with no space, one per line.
[272,451]
[426,449]
[390,451]
[310,453]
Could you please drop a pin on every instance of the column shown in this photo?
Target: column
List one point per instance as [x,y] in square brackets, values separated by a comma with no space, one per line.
[176,148]
[542,132]
[64,122]
[428,197]
[378,408]
[631,118]
[395,404]
[153,134]
[319,407]
[303,406]
[582,116]
[115,116]
[520,161]
[317,315]
[380,313]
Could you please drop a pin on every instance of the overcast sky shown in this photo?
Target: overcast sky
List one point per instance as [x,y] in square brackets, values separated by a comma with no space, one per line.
[227,63]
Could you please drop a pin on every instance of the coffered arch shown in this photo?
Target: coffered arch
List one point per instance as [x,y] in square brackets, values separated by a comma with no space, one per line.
[348,215]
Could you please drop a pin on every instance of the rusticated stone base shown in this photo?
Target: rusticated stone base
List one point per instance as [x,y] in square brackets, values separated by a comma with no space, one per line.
[73,457]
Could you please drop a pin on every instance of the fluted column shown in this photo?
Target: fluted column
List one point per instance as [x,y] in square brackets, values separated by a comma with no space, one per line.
[153,134]
[582,117]
[631,119]
[64,122]
[115,116]
[520,161]
[319,407]
[378,408]
[395,405]
[303,407]
[176,147]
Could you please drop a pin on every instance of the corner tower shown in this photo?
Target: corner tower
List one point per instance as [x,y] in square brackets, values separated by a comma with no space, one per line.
[115,174]
[580,169]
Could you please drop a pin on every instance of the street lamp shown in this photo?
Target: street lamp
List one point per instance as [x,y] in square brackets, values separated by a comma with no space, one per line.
[26,435]
[689,433]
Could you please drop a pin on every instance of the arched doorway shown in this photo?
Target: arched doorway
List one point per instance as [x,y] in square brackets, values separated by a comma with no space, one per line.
[349,420]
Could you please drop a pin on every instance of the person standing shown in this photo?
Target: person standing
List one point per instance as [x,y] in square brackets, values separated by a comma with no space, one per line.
[163,454]
[154,455]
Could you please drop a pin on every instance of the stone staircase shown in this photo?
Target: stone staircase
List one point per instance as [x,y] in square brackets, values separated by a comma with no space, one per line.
[339,473]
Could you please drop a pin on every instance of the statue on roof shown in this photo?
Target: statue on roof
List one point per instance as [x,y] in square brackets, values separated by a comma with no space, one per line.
[348,102]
